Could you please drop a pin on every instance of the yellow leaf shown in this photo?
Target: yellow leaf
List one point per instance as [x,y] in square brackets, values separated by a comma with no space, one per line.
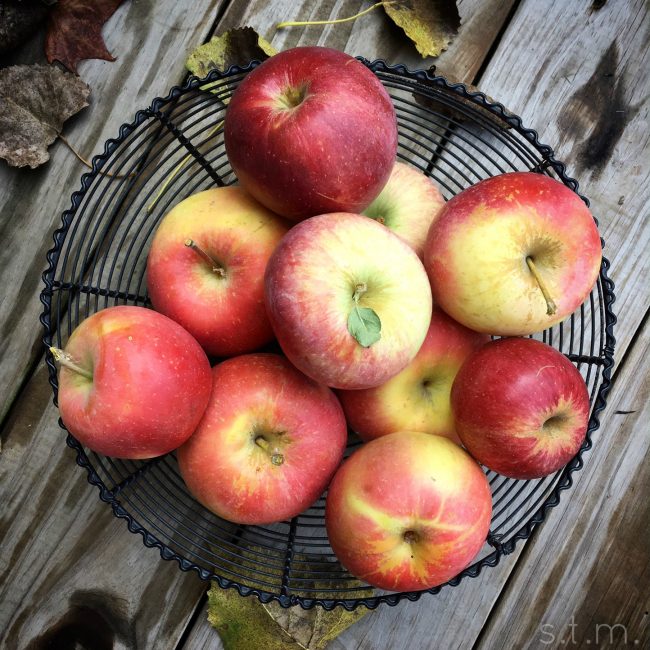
[235,47]
[430,24]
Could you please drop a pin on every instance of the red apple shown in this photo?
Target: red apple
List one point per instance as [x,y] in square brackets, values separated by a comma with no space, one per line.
[309,131]
[521,407]
[408,511]
[349,301]
[407,205]
[206,265]
[268,444]
[133,383]
[513,254]
[416,399]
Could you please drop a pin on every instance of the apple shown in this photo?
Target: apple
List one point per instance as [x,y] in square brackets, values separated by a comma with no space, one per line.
[417,398]
[132,384]
[349,301]
[268,444]
[513,254]
[521,408]
[408,511]
[310,131]
[407,205]
[205,268]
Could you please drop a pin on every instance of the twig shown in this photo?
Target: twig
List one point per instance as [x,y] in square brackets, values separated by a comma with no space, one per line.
[308,23]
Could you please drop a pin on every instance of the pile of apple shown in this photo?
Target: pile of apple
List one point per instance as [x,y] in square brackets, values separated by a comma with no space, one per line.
[338,253]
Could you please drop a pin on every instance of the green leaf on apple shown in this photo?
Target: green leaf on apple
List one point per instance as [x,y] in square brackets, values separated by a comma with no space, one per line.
[364,325]
[430,24]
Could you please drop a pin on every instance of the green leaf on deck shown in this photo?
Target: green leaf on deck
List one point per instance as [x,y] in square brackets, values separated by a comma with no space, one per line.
[313,628]
[430,24]
[244,623]
[235,47]
[36,100]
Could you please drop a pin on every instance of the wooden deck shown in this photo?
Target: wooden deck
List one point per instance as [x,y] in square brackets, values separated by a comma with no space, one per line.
[577,72]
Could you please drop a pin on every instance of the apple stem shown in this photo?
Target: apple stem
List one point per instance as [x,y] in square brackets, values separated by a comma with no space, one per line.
[551,307]
[276,457]
[65,360]
[359,290]
[216,267]
[334,21]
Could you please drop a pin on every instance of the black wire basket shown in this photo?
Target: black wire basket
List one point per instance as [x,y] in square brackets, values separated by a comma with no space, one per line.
[175,148]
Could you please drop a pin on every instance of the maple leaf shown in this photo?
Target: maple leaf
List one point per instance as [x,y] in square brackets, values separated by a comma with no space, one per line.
[74,31]
[36,100]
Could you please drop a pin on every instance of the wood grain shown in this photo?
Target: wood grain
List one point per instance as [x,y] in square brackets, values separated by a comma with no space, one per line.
[69,570]
[374,36]
[455,617]
[588,568]
[593,109]
[68,567]
[150,40]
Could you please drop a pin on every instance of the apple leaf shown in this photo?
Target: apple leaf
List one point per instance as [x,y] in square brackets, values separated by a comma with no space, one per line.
[364,325]
[18,19]
[236,46]
[74,31]
[430,24]
[36,100]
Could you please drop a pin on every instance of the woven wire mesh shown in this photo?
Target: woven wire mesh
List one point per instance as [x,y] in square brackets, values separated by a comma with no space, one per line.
[174,149]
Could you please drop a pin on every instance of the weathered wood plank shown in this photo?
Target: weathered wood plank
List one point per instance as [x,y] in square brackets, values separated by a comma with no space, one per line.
[583,87]
[585,574]
[374,36]
[454,618]
[150,41]
[435,621]
[69,569]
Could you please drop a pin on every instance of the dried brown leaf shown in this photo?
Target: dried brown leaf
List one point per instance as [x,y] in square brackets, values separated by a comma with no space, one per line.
[36,100]
[74,31]
[430,24]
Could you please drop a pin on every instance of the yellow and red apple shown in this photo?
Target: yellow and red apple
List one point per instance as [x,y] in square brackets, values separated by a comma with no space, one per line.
[513,254]
[133,383]
[408,204]
[417,398]
[349,301]
[408,511]
[311,130]
[206,265]
[268,444]
[521,408]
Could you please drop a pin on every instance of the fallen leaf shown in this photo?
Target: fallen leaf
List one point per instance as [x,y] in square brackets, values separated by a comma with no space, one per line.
[235,47]
[74,31]
[244,622]
[36,100]
[18,19]
[430,24]
[314,628]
